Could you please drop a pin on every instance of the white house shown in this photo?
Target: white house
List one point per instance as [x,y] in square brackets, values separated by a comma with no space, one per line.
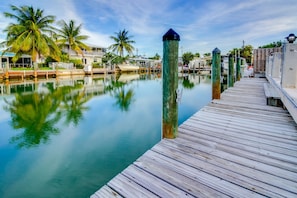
[88,57]
[6,58]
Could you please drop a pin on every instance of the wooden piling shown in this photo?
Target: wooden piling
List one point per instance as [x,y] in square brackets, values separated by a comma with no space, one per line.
[6,71]
[238,68]
[231,71]
[170,84]
[216,73]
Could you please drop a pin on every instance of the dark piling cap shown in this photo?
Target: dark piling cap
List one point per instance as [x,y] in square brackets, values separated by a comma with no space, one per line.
[171,35]
[216,50]
[291,38]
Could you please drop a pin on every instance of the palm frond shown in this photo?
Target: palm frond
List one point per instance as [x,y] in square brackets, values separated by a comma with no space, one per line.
[29,34]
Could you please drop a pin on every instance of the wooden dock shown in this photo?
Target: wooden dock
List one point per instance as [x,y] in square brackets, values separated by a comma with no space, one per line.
[233,147]
[23,74]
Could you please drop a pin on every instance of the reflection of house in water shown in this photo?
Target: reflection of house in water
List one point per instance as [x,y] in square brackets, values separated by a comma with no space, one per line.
[10,89]
[197,79]
[89,85]
[6,58]
[128,77]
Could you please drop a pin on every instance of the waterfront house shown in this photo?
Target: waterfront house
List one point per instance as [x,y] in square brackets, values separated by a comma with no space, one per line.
[146,62]
[87,57]
[6,59]
[197,63]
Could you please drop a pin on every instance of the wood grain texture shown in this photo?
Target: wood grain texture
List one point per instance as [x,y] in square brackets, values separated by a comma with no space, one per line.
[233,147]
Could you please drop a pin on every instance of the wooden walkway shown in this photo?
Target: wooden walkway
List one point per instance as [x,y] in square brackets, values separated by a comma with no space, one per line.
[233,147]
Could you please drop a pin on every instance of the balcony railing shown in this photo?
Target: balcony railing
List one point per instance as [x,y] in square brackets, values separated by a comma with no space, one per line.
[86,53]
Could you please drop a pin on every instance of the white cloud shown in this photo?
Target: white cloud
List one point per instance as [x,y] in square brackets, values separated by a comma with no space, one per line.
[136,16]
[202,25]
[98,39]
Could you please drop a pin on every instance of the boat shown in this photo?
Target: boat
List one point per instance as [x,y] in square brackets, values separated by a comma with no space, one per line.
[125,67]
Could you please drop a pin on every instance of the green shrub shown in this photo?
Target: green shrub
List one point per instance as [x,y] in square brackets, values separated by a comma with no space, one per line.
[77,63]
[42,65]
[97,65]
[79,66]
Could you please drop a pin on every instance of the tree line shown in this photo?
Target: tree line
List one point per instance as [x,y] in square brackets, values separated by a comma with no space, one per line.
[245,52]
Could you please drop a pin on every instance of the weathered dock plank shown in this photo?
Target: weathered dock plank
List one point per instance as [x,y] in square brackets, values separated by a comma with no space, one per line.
[239,140]
[106,191]
[153,183]
[129,188]
[233,147]
[188,178]
[223,168]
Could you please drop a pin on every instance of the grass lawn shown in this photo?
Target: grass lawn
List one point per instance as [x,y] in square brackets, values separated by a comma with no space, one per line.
[30,69]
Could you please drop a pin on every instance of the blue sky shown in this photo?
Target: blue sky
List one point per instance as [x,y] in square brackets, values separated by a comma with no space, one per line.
[202,24]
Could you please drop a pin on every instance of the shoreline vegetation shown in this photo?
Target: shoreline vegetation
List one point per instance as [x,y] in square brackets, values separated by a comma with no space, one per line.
[63,44]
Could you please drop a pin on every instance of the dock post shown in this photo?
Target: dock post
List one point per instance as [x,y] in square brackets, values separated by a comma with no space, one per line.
[237,68]
[231,71]
[56,71]
[216,74]
[6,71]
[170,84]
[35,70]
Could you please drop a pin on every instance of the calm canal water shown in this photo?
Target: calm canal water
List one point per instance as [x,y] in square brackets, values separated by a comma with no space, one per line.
[68,137]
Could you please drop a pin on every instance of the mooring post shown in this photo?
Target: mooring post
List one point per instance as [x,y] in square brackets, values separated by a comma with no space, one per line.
[35,69]
[231,71]
[237,68]
[170,84]
[216,74]
[6,71]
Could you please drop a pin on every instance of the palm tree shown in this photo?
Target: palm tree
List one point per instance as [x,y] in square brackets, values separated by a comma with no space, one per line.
[70,36]
[122,42]
[31,34]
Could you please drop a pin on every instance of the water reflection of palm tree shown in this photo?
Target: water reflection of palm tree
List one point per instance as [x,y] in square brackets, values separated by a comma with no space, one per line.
[74,107]
[123,96]
[187,84]
[36,114]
